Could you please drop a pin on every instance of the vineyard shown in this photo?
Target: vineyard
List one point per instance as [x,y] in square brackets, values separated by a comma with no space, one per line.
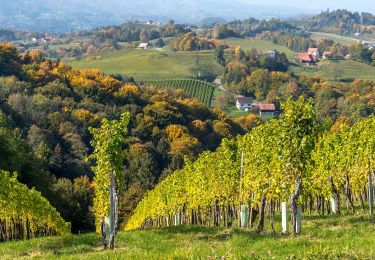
[24,213]
[201,90]
[285,160]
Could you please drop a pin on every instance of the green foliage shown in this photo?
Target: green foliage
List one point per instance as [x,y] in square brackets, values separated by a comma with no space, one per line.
[24,213]
[108,141]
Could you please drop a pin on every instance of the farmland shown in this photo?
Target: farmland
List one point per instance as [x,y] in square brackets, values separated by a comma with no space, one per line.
[201,90]
[151,64]
[346,70]
[260,45]
[317,36]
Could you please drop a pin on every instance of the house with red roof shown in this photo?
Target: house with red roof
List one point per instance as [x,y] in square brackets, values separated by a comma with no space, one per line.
[314,51]
[267,109]
[310,57]
[307,58]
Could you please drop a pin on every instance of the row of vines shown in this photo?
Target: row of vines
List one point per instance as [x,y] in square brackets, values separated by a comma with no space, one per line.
[285,160]
[201,90]
[25,213]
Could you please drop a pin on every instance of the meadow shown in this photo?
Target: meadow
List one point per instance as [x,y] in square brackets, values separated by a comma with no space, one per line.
[317,36]
[260,45]
[345,70]
[151,64]
[328,237]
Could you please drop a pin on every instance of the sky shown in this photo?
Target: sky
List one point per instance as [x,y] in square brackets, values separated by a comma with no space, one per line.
[359,5]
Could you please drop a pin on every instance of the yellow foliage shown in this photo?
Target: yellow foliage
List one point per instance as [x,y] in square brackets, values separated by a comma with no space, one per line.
[127,89]
[84,115]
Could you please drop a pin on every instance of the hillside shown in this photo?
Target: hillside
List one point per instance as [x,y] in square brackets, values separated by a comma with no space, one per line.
[346,70]
[260,45]
[151,64]
[322,237]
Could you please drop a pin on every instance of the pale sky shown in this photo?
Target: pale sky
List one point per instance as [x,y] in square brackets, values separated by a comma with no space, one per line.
[358,5]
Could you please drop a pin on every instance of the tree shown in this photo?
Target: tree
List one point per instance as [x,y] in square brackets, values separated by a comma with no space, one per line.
[9,60]
[108,142]
[219,55]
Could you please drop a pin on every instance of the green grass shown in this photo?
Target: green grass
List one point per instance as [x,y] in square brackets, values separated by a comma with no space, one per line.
[151,64]
[350,70]
[317,36]
[260,45]
[346,237]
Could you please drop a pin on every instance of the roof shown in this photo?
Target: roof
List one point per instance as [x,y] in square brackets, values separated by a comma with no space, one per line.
[304,56]
[267,107]
[143,45]
[327,53]
[244,100]
[313,50]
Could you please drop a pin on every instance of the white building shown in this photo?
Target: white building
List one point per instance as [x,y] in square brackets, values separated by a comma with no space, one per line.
[271,54]
[244,103]
[144,45]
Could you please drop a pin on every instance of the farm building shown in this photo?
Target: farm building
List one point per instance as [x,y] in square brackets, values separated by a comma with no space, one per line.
[314,52]
[267,109]
[304,57]
[244,103]
[144,46]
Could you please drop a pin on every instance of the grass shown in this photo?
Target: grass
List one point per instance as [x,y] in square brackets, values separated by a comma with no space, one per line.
[349,70]
[151,64]
[260,45]
[348,237]
[317,36]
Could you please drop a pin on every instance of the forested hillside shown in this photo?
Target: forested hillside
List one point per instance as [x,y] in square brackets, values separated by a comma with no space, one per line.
[342,22]
[47,107]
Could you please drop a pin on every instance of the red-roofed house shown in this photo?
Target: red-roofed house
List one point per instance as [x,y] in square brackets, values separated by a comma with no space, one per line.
[305,57]
[267,109]
[314,51]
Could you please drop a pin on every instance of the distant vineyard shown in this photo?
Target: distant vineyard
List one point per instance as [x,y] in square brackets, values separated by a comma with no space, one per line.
[201,90]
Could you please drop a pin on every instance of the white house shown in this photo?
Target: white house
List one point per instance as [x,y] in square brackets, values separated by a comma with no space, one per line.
[144,45]
[271,54]
[244,103]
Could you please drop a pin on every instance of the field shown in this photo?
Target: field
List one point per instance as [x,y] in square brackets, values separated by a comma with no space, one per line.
[201,90]
[345,70]
[317,36]
[260,45]
[151,64]
[346,237]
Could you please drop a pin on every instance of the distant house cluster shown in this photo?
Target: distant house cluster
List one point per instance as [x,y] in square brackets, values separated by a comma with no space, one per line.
[45,39]
[247,104]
